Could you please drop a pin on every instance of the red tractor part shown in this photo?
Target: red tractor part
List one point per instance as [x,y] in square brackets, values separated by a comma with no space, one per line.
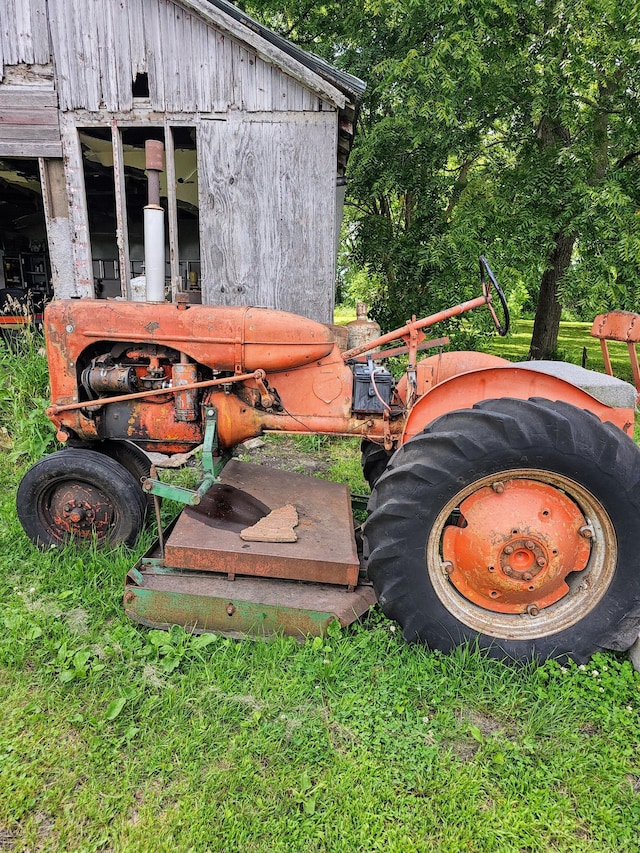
[503,503]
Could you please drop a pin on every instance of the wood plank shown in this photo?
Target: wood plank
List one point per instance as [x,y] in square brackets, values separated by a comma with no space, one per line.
[8,33]
[222,72]
[30,148]
[23,36]
[106,60]
[172,207]
[56,211]
[187,71]
[27,116]
[153,41]
[29,97]
[202,64]
[120,56]
[267,208]
[60,49]
[122,225]
[82,283]
[40,32]
[29,133]
[137,47]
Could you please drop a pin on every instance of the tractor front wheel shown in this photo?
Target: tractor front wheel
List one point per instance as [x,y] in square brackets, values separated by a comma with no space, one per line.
[76,495]
[512,525]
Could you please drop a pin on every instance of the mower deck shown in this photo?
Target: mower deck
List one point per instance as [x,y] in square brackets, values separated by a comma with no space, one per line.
[210,579]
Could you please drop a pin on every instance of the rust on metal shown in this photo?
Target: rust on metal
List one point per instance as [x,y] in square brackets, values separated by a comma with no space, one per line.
[247,606]
[464,390]
[80,510]
[516,547]
[325,551]
[621,326]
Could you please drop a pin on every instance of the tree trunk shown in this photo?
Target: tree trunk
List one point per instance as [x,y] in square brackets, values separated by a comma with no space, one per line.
[547,322]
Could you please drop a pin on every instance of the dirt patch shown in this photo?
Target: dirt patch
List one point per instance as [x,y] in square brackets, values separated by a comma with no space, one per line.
[285,453]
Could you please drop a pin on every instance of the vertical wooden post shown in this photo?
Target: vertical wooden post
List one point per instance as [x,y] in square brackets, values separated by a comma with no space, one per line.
[122,226]
[56,214]
[174,246]
[81,283]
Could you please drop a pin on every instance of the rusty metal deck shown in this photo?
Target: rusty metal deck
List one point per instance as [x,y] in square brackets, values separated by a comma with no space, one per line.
[207,538]
[159,597]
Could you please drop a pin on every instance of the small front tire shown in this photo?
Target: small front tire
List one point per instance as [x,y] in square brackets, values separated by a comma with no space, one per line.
[78,495]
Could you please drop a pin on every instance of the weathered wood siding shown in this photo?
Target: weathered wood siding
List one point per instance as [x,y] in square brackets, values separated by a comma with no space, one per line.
[24,33]
[100,46]
[267,213]
[28,122]
[267,134]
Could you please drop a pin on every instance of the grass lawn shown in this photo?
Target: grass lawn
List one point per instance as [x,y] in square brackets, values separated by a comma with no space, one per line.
[573,339]
[114,737]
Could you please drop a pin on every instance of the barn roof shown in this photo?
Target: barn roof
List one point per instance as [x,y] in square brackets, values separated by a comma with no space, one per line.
[342,89]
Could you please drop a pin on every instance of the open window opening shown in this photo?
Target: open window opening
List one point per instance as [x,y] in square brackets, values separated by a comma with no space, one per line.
[140,87]
[25,272]
[187,211]
[117,192]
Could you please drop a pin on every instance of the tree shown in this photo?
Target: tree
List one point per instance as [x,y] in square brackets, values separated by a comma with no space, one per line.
[507,127]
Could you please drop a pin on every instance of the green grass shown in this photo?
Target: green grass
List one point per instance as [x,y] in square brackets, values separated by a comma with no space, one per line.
[573,338]
[118,738]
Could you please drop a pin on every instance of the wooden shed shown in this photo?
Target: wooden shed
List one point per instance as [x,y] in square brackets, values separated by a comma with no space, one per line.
[256,133]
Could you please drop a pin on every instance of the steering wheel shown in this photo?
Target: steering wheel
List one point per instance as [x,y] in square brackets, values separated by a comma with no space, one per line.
[486,290]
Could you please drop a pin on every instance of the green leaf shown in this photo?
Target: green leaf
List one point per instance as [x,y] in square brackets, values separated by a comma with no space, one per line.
[476,734]
[114,708]
[203,640]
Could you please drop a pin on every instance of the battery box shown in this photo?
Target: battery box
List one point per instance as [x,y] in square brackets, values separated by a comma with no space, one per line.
[365,398]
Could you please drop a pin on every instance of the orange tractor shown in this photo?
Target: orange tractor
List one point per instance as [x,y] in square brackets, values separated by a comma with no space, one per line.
[504,499]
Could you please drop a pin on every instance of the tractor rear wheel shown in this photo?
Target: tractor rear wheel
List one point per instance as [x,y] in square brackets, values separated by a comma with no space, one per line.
[374,460]
[513,525]
[76,495]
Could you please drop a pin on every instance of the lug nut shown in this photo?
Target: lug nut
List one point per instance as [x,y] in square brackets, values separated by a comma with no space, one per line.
[541,561]
[448,567]
[498,487]
[508,550]
[529,545]
[586,532]
[527,576]
[508,571]
[533,610]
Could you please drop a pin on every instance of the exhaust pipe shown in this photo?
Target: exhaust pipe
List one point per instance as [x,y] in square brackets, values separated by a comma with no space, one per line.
[154,259]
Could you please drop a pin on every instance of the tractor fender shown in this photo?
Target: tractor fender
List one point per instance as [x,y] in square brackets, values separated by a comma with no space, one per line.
[465,389]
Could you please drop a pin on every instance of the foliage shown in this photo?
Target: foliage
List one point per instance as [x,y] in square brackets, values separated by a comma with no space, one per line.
[500,127]
[25,431]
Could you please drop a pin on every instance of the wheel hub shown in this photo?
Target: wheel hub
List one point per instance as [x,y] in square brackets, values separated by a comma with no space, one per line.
[79,509]
[514,544]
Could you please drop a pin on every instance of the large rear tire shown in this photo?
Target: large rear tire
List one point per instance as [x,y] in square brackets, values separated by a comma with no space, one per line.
[76,495]
[512,525]
[374,460]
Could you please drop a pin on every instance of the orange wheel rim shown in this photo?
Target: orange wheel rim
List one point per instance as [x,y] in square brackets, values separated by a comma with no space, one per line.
[514,545]
[522,553]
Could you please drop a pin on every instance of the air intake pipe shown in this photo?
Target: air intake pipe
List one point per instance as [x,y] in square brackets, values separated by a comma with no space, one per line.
[154,260]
